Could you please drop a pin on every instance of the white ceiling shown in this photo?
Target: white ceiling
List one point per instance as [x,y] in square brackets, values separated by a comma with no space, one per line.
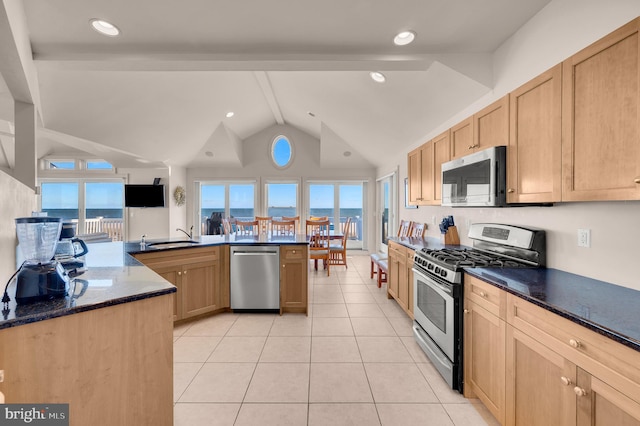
[159,92]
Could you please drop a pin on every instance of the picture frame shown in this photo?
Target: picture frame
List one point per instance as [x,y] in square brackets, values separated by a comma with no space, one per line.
[406,195]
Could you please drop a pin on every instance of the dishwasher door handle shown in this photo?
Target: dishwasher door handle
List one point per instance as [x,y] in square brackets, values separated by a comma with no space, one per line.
[255,253]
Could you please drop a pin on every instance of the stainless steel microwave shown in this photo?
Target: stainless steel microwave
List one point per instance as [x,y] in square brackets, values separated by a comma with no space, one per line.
[476,180]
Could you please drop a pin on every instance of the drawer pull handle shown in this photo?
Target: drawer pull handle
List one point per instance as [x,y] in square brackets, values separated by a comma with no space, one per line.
[566,381]
[483,294]
[575,343]
[579,391]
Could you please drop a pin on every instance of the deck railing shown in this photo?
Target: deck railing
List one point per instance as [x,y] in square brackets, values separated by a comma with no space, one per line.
[113,227]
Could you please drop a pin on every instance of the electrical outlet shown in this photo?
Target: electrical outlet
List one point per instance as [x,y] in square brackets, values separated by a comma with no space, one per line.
[584,238]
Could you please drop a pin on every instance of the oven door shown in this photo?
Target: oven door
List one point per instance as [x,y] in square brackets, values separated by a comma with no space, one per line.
[434,310]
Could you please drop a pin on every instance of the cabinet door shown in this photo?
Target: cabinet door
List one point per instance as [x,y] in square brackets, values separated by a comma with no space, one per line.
[441,154]
[601,405]
[491,125]
[426,161]
[535,163]
[410,255]
[484,355]
[173,274]
[198,283]
[539,384]
[403,281]
[462,138]
[293,279]
[600,119]
[415,176]
[393,277]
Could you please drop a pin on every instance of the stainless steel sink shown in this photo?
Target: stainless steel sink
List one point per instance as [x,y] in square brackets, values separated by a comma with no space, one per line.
[172,244]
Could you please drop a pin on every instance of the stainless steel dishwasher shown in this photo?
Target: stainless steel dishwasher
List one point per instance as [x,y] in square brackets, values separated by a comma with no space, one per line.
[255,277]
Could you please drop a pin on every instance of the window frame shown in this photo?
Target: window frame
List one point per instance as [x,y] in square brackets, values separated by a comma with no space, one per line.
[198,183]
[272,146]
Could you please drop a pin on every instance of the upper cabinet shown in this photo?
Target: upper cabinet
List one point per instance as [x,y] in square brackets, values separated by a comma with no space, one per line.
[534,155]
[491,125]
[600,119]
[462,138]
[420,171]
[441,154]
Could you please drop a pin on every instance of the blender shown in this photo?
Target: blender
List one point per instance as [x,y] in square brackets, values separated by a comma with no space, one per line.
[39,278]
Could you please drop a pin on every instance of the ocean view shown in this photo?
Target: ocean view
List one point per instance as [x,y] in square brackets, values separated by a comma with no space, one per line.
[91,213]
[281,211]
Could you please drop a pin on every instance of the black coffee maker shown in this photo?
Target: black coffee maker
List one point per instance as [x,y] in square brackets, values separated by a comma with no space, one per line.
[70,250]
[40,277]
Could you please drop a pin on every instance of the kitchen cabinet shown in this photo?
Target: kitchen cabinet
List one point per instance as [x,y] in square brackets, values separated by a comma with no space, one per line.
[600,119]
[400,276]
[294,267]
[486,128]
[113,365]
[420,172]
[485,344]
[201,276]
[534,155]
[441,154]
[577,375]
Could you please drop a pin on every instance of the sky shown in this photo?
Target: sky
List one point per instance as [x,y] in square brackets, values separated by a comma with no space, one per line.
[64,195]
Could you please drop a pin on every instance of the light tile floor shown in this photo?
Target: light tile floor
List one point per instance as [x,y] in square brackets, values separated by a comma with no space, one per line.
[352,361]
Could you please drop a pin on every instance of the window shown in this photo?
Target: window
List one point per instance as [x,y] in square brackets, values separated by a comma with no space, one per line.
[282,199]
[229,199]
[386,220]
[349,199]
[61,164]
[281,152]
[99,165]
[96,206]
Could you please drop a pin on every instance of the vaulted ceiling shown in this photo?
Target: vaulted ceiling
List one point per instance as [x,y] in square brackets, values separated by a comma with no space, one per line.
[158,93]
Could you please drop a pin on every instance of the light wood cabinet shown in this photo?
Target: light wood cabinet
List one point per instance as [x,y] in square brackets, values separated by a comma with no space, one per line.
[462,138]
[601,120]
[294,267]
[420,172]
[484,345]
[112,365]
[491,125]
[400,276]
[441,154]
[534,156]
[201,276]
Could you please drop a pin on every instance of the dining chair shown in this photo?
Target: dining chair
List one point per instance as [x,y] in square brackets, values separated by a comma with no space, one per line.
[283,227]
[295,219]
[417,229]
[247,227]
[338,252]
[318,232]
[316,218]
[263,223]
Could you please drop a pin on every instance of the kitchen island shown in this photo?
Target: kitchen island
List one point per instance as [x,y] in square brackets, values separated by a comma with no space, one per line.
[106,349]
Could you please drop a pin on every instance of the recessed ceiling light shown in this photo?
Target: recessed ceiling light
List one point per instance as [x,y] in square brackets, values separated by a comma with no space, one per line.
[208,154]
[104,27]
[311,114]
[230,114]
[378,77]
[347,153]
[404,38]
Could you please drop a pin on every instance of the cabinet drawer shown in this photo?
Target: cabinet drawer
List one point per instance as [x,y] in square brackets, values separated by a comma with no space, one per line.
[610,361]
[293,252]
[397,249]
[487,296]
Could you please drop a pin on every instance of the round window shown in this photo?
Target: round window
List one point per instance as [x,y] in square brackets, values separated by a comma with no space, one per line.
[281,151]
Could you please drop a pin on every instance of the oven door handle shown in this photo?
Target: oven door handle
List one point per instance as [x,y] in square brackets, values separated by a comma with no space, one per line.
[441,287]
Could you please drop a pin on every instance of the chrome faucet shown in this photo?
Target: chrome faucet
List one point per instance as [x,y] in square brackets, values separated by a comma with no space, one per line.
[143,242]
[188,234]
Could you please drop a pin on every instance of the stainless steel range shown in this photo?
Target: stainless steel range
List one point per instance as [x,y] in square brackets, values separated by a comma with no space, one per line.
[437,284]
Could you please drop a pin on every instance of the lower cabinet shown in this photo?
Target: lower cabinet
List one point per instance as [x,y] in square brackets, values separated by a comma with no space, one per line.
[400,276]
[530,366]
[294,267]
[201,276]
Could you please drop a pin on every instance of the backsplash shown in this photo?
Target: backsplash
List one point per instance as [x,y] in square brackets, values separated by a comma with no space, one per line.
[18,201]
[615,234]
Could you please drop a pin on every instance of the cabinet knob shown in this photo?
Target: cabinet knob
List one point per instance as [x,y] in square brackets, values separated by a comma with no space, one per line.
[483,294]
[470,147]
[511,190]
[575,343]
[179,273]
[636,180]
[579,391]
[466,311]
[284,266]
[566,381]
[293,251]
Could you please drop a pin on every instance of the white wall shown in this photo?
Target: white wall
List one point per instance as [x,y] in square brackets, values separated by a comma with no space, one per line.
[154,222]
[18,200]
[178,214]
[555,33]
[306,166]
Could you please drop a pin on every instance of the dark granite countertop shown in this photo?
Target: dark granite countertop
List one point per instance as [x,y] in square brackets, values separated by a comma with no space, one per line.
[112,277]
[133,247]
[605,308]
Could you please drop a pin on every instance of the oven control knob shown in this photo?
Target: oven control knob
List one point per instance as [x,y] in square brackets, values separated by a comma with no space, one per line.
[430,266]
[443,273]
[437,271]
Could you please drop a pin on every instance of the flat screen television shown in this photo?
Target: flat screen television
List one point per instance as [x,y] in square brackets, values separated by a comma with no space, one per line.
[144,195]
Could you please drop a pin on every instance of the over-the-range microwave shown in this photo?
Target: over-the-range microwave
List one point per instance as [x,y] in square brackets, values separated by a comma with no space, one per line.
[476,180]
